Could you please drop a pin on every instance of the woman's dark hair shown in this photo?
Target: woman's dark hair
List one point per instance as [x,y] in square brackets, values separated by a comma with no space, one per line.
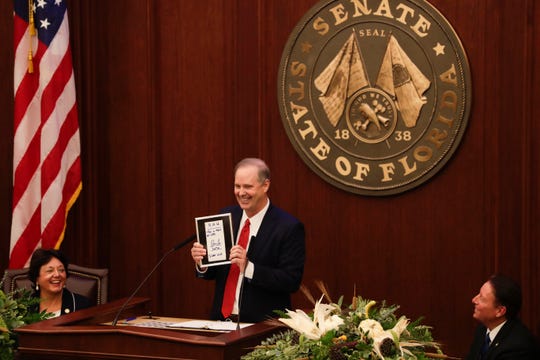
[507,293]
[42,256]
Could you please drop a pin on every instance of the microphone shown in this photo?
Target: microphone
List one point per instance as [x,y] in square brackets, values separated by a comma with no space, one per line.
[240,301]
[241,290]
[178,246]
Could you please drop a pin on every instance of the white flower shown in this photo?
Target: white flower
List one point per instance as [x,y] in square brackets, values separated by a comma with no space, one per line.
[302,323]
[375,331]
[400,326]
[378,340]
[371,327]
[323,320]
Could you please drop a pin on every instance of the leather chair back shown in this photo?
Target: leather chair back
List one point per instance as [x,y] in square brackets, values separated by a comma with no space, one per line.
[90,282]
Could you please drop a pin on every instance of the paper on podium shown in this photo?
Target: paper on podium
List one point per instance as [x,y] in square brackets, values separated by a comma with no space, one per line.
[209,325]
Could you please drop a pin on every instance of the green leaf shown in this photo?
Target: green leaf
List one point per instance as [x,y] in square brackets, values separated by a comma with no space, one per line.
[16,311]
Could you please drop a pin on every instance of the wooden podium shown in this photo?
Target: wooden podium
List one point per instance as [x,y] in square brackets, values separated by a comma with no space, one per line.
[83,335]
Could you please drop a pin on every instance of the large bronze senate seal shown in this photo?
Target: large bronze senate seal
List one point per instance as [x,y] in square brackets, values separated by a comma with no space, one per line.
[374,94]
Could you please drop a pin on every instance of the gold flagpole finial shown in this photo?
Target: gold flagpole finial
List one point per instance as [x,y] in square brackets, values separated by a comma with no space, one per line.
[30,62]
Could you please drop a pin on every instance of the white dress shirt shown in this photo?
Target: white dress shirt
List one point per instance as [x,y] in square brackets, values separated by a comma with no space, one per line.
[255,224]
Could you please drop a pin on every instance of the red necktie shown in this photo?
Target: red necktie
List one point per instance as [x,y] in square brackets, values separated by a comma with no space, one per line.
[232,280]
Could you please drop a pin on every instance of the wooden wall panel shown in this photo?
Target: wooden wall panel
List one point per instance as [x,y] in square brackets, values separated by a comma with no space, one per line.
[531,227]
[196,139]
[173,93]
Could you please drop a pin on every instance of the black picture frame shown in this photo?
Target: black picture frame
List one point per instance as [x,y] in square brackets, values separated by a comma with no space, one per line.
[216,234]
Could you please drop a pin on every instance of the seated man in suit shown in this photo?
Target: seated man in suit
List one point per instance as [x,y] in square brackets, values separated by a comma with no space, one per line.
[500,335]
[272,260]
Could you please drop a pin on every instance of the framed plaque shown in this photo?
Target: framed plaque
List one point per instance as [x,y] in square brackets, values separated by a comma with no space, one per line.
[216,234]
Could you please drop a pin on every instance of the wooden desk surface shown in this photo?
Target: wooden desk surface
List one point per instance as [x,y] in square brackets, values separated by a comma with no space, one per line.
[88,334]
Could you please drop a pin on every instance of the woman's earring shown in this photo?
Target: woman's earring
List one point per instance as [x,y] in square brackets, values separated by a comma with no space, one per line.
[37,287]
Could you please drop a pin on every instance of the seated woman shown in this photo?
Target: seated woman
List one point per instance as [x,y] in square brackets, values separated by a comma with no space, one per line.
[48,272]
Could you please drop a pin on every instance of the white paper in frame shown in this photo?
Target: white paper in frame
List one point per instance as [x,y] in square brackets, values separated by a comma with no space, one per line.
[216,234]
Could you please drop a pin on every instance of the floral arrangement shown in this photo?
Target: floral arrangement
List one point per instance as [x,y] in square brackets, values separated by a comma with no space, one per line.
[363,330]
[15,311]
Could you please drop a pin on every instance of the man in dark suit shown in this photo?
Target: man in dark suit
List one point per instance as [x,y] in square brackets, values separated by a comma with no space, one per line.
[270,266]
[500,335]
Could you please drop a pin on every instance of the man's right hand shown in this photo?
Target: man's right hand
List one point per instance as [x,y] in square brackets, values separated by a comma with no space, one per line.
[198,252]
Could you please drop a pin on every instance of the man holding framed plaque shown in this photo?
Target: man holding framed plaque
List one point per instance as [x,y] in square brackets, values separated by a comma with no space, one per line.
[267,263]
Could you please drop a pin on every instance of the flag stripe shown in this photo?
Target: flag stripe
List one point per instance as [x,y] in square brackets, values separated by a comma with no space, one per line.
[25,169]
[26,244]
[56,178]
[46,151]
[55,136]
[56,226]
[51,165]
[26,208]
[28,87]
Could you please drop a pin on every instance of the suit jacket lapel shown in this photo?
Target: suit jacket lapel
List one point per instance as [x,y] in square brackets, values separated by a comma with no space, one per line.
[266,224]
[501,335]
[236,217]
[264,231]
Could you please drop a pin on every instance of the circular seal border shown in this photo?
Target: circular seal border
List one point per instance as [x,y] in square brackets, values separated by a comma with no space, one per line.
[441,58]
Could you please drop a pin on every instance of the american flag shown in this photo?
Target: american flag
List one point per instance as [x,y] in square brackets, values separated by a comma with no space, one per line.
[46,145]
